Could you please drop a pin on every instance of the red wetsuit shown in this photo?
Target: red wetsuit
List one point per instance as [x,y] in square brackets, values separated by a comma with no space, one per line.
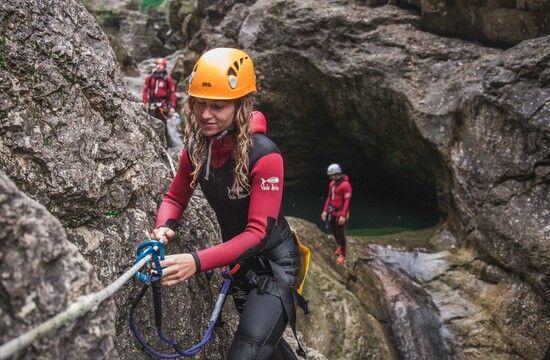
[243,220]
[339,195]
[159,87]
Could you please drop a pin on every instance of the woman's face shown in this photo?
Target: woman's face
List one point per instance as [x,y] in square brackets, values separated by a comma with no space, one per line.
[214,116]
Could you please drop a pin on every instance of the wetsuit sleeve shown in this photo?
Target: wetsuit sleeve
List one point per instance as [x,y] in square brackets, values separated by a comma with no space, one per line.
[145,89]
[172,92]
[265,202]
[346,195]
[175,201]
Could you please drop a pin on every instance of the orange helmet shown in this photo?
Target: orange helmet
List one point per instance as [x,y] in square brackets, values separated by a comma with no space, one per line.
[222,74]
[161,61]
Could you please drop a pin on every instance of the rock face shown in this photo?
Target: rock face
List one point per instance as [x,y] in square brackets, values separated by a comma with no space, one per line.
[138,29]
[347,318]
[41,274]
[390,302]
[499,22]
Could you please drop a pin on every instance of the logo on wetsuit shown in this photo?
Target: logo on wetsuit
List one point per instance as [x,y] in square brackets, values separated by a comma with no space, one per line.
[270,184]
[239,194]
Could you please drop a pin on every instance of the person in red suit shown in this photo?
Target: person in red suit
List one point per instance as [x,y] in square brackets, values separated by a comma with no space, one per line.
[159,92]
[240,172]
[336,210]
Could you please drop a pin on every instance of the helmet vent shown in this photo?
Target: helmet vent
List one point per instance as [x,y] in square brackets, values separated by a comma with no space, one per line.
[236,63]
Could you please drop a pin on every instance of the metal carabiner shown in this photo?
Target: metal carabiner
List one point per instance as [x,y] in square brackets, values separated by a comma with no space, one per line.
[154,248]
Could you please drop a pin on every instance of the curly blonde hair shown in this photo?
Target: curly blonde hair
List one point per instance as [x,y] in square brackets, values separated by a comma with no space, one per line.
[241,130]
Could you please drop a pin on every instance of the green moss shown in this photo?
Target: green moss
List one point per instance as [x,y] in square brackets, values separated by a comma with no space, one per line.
[113,213]
[3,49]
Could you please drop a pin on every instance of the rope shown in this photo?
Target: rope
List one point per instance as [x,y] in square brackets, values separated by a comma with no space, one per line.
[171,162]
[74,310]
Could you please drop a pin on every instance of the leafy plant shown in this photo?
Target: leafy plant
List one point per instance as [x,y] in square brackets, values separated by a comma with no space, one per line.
[154,4]
[112,213]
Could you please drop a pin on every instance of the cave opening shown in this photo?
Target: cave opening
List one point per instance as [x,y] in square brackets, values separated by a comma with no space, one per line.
[382,202]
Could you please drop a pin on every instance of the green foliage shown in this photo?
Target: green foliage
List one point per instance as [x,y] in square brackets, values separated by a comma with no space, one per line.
[3,116]
[3,49]
[153,4]
[105,14]
[113,213]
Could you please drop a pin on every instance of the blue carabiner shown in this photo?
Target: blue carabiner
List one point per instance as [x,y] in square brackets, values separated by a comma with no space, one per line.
[148,248]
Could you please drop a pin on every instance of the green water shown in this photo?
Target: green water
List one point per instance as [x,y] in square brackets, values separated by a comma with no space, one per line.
[369,215]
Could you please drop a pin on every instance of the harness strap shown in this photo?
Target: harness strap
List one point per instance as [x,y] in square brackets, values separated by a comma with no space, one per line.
[280,287]
[287,298]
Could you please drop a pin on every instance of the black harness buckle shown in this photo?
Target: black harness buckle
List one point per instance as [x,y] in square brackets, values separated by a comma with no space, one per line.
[261,282]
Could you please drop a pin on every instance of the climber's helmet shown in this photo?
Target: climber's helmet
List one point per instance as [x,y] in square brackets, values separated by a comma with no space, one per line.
[222,74]
[334,169]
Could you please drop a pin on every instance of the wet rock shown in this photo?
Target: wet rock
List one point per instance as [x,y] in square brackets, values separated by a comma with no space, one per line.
[41,273]
[347,320]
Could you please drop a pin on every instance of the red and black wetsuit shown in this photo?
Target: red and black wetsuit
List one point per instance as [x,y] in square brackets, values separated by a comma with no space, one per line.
[339,195]
[159,87]
[255,234]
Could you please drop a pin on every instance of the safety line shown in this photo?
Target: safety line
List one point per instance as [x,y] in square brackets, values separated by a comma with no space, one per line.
[171,162]
[74,310]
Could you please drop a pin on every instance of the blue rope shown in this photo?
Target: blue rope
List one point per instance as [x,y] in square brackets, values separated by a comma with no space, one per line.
[144,250]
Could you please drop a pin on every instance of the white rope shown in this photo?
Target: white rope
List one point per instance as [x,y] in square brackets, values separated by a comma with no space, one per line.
[171,162]
[74,310]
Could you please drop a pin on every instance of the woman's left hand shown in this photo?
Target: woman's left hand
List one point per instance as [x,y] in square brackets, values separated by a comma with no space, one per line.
[177,268]
[341,220]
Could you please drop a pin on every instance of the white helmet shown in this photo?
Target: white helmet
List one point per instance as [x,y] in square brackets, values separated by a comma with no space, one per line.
[334,169]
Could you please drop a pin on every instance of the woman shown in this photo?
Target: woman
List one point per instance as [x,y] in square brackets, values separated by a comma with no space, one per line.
[240,172]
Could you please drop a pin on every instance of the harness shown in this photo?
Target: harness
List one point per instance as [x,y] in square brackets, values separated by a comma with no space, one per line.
[279,286]
[153,80]
[329,215]
[152,247]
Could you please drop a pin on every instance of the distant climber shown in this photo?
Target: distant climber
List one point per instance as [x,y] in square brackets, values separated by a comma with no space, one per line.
[159,92]
[336,210]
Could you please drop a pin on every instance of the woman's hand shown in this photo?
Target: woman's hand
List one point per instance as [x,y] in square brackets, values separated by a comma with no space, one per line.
[324,216]
[177,268]
[341,220]
[158,233]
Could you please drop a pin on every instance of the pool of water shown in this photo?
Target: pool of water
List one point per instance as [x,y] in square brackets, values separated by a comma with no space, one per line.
[369,215]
